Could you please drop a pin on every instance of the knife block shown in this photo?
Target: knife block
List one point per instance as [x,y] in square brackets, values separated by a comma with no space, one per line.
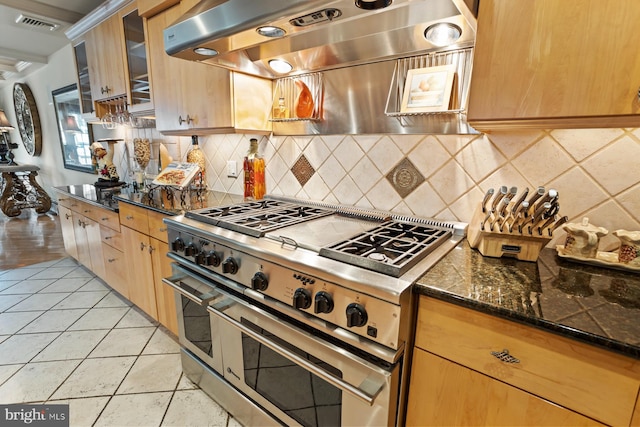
[498,243]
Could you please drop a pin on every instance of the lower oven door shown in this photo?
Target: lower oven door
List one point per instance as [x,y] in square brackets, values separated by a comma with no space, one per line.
[197,331]
[298,376]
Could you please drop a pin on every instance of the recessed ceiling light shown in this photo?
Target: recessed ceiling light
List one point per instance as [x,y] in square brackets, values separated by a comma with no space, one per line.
[372,4]
[270,31]
[280,66]
[442,33]
[205,51]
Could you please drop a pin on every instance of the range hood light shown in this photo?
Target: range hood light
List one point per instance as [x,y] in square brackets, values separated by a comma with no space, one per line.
[280,66]
[372,4]
[442,33]
[205,51]
[270,31]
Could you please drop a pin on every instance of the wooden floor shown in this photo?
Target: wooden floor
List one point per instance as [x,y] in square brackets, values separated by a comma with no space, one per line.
[29,238]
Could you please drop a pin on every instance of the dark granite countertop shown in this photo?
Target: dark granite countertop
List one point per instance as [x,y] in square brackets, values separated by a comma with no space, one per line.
[595,305]
[159,199]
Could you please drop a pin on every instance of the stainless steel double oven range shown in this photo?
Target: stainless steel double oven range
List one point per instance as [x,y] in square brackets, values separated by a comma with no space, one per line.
[299,313]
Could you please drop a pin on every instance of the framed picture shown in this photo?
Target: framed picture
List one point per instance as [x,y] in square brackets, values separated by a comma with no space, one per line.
[428,89]
[75,134]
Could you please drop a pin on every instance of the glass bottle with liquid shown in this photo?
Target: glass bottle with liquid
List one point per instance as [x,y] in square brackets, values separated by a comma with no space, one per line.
[196,155]
[254,173]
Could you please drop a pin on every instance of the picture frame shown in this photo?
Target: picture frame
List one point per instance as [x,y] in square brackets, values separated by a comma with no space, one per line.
[74,132]
[428,89]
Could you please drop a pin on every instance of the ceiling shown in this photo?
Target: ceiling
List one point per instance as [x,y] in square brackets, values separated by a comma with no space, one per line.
[24,47]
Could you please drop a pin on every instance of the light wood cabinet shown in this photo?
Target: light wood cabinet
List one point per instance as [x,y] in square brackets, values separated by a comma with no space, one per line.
[195,98]
[66,225]
[581,378]
[555,63]
[444,393]
[145,249]
[82,72]
[148,8]
[105,59]
[141,286]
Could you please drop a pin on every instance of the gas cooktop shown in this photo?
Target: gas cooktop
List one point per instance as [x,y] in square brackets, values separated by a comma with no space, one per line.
[357,237]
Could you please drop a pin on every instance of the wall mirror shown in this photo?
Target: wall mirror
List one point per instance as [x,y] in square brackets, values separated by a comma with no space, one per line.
[75,133]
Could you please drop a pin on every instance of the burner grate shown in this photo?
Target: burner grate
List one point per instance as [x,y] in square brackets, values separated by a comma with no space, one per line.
[391,248]
[259,217]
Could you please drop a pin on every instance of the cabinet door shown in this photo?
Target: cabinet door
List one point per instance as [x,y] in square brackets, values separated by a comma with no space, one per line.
[105,58]
[116,268]
[68,235]
[555,63]
[165,299]
[139,271]
[139,94]
[185,88]
[94,246]
[84,82]
[445,393]
[82,242]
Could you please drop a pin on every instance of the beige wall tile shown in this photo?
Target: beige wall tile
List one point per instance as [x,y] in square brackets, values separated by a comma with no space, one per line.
[617,166]
[543,162]
[480,158]
[581,143]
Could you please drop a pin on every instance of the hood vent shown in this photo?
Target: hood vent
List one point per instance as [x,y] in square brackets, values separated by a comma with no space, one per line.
[36,23]
[313,35]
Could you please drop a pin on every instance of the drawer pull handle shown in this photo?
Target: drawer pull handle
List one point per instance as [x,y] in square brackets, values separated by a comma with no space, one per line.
[162,230]
[105,218]
[67,216]
[504,356]
[151,249]
[108,238]
[87,210]
[129,217]
[111,260]
[142,246]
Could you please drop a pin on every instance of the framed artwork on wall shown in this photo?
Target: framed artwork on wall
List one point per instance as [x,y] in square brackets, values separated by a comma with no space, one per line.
[75,134]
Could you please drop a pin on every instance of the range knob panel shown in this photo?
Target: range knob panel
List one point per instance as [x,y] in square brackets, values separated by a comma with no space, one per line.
[230,266]
[323,302]
[301,299]
[259,281]
[356,315]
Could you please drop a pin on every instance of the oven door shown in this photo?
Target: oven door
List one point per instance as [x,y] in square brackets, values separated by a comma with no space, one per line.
[197,331]
[296,375]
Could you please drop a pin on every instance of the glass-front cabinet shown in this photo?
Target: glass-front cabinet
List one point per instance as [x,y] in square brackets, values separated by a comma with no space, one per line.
[136,55]
[84,85]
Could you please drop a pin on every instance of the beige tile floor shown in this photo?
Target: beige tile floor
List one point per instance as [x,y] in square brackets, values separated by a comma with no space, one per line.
[66,337]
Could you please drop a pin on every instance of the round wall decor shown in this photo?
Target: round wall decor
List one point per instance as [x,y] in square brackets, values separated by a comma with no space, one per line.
[28,118]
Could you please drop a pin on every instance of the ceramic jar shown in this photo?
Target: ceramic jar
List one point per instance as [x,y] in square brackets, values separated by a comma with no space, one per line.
[583,239]
[629,252]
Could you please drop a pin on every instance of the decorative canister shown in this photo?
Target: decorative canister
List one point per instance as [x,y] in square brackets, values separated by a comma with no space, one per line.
[629,252]
[583,239]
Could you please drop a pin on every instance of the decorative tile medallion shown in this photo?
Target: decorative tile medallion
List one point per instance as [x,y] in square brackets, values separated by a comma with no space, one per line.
[405,177]
[302,170]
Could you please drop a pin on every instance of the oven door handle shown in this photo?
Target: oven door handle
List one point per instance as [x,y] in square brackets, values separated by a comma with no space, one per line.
[367,392]
[184,290]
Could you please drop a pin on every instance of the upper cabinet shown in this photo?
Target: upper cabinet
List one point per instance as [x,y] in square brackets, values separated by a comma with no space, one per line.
[148,8]
[84,84]
[194,98]
[555,64]
[136,59]
[106,59]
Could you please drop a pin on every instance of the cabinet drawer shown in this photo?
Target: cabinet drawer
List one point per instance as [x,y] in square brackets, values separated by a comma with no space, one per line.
[592,381]
[157,228]
[102,216]
[67,201]
[112,238]
[134,217]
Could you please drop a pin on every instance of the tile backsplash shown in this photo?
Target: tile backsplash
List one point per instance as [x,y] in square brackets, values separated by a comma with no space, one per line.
[442,176]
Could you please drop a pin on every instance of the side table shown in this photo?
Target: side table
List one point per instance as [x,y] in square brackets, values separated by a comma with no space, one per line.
[20,190]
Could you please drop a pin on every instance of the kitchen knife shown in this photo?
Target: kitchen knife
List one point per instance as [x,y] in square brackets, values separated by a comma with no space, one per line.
[486,218]
[486,198]
[497,197]
[502,206]
[532,200]
[517,205]
[546,224]
[551,195]
[557,224]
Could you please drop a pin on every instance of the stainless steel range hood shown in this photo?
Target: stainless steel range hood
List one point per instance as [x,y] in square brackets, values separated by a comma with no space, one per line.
[318,34]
